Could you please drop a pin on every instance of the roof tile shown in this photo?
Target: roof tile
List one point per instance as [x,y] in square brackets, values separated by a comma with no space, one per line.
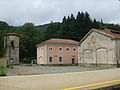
[111,33]
[59,41]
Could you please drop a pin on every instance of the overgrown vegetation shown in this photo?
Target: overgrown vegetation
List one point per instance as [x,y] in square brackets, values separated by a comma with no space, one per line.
[71,27]
[3,70]
[10,66]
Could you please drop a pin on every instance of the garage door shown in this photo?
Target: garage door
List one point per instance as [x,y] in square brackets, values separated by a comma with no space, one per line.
[88,56]
[102,56]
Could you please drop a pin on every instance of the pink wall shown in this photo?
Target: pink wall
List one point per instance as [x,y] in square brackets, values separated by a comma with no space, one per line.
[67,56]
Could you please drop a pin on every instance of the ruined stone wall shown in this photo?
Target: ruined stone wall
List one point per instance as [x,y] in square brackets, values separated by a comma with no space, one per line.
[11,45]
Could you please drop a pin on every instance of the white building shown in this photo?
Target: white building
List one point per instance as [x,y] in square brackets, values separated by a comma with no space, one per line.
[100,47]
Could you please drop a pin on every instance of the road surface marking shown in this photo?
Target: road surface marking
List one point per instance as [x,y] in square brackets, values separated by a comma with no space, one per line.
[94,84]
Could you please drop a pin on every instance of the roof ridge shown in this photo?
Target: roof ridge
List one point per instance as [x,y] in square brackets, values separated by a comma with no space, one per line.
[59,41]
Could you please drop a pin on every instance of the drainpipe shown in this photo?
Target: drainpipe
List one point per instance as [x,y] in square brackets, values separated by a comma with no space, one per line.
[116,52]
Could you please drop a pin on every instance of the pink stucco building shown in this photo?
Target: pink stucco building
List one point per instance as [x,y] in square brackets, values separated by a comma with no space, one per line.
[57,51]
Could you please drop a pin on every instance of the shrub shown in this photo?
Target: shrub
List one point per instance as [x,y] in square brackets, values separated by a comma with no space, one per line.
[10,66]
[3,70]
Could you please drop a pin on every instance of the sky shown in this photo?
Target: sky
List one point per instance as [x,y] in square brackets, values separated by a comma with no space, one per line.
[18,12]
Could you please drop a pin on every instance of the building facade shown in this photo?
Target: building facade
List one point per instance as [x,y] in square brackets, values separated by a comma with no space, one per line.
[57,52]
[11,48]
[100,48]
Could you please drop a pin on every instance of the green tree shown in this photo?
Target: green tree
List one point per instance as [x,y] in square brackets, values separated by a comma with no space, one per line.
[4,25]
[29,37]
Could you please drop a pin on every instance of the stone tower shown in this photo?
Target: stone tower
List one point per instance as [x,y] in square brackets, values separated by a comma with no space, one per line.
[11,48]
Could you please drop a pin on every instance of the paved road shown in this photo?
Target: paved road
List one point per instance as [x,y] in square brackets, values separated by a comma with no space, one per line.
[59,81]
[26,70]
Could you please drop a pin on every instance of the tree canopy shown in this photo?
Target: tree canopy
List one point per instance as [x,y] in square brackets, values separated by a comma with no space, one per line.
[71,27]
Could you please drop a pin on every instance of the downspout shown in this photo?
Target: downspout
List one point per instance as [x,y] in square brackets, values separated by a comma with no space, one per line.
[116,51]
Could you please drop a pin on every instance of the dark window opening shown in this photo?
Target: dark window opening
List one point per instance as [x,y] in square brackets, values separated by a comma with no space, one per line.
[50,59]
[12,44]
[60,59]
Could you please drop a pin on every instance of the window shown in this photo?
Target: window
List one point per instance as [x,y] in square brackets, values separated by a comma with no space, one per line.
[60,59]
[67,49]
[50,49]
[60,49]
[41,48]
[74,49]
[50,59]
[12,44]
[39,57]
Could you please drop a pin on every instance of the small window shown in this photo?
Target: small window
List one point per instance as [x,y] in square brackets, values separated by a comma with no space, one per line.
[67,49]
[60,49]
[50,59]
[74,49]
[60,59]
[50,49]
[41,48]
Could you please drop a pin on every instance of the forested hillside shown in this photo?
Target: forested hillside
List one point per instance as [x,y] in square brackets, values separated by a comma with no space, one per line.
[71,27]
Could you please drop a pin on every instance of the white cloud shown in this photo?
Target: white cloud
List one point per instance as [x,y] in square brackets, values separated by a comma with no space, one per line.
[17,12]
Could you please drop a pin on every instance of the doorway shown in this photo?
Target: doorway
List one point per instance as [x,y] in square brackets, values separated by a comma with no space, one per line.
[11,61]
[73,60]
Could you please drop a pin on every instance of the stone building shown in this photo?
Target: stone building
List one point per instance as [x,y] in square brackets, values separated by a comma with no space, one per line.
[100,48]
[11,48]
[57,52]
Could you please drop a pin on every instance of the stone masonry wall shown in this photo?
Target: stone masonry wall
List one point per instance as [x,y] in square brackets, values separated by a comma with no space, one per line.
[97,49]
[11,45]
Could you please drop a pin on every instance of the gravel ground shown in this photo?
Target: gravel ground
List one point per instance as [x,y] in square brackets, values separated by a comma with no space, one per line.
[28,70]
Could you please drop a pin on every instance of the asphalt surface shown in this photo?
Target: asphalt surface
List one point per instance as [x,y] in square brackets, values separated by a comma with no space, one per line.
[61,81]
[26,70]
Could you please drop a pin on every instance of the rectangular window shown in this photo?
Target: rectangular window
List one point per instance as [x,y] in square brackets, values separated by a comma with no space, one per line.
[60,59]
[50,59]
[50,49]
[73,60]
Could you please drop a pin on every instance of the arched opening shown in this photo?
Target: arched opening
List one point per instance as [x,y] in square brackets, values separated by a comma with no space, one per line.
[102,56]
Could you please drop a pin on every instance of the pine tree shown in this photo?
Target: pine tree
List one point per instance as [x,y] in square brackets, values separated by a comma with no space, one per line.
[64,19]
[95,24]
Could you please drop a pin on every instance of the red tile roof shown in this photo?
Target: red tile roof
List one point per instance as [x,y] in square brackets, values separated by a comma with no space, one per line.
[111,33]
[59,41]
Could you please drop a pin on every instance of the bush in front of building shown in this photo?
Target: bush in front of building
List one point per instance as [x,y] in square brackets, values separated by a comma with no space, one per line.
[10,66]
[3,70]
